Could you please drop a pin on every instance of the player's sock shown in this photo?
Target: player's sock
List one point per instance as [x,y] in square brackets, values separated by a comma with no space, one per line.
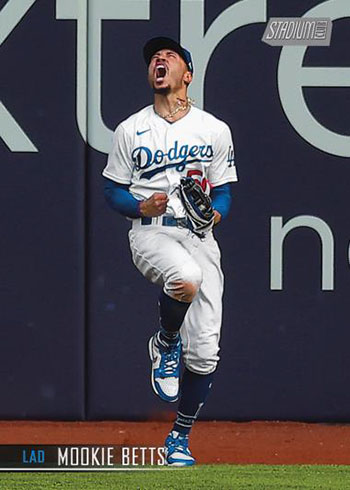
[194,392]
[172,314]
[168,337]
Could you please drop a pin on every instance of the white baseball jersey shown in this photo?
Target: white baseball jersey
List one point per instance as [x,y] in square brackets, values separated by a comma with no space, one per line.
[152,154]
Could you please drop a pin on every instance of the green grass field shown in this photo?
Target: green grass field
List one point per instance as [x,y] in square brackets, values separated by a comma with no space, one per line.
[216,477]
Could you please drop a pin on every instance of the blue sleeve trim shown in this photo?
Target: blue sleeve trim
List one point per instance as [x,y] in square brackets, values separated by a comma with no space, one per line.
[120,199]
[221,199]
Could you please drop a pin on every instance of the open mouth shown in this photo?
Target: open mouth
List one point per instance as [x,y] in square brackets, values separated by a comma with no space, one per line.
[160,72]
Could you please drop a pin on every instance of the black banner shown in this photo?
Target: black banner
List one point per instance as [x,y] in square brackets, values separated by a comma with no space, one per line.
[79,458]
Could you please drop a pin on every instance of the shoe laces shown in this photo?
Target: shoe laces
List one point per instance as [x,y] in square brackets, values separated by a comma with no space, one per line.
[170,358]
[179,442]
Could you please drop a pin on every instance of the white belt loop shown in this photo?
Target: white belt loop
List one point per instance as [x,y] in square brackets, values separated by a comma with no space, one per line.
[136,223]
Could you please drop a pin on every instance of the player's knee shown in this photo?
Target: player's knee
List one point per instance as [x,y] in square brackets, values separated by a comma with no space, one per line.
[184,285]
[191,275]
[186,292]
[182,291]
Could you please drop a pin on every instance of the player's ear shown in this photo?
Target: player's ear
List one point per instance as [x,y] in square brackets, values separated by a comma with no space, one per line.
[188,77]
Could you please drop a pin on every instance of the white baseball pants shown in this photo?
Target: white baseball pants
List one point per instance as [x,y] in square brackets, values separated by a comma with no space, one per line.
[166,254]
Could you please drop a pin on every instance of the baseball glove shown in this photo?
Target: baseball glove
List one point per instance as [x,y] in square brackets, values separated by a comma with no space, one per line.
[197,205]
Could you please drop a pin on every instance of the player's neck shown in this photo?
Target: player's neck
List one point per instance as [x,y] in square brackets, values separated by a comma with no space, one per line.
[172,106]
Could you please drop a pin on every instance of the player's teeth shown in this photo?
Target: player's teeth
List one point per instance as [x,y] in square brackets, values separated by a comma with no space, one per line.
[160,71]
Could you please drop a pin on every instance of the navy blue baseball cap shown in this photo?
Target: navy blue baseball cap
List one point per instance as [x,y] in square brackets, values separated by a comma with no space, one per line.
[157,43]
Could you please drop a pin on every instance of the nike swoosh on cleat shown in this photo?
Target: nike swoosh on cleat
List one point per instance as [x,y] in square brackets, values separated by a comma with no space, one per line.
[141,132]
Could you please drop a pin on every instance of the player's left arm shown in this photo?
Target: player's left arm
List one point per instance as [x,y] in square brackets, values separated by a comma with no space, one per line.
[222,172]
[221,201]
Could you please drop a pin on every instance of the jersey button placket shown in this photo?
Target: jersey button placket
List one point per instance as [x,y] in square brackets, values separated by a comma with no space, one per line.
[170,172]
[169,144]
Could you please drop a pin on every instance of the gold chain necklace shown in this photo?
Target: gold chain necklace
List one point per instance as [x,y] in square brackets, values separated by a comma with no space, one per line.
[180,107]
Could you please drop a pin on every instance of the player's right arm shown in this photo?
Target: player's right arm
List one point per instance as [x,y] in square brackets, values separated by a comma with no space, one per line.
[120,199]
[118,174]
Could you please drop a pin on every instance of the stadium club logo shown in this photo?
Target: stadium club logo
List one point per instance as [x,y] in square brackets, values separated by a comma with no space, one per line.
[144,158]
[298,31]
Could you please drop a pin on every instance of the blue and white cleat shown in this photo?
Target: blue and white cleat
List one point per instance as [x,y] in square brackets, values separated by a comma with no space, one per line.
[176,450]
[165,368]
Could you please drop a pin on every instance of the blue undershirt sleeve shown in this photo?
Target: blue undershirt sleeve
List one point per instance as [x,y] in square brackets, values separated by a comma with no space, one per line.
[120,199]
[221,199]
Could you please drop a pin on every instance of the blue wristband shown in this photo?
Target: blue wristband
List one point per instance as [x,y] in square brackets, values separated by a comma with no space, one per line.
[221,199]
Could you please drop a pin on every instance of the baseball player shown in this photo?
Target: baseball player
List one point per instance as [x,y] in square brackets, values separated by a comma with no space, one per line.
[165,160]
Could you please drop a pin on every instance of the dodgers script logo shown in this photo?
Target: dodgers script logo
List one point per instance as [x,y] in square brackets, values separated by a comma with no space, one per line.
[144,158]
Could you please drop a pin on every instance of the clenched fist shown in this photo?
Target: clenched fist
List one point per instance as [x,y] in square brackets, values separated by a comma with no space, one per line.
[154,205]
